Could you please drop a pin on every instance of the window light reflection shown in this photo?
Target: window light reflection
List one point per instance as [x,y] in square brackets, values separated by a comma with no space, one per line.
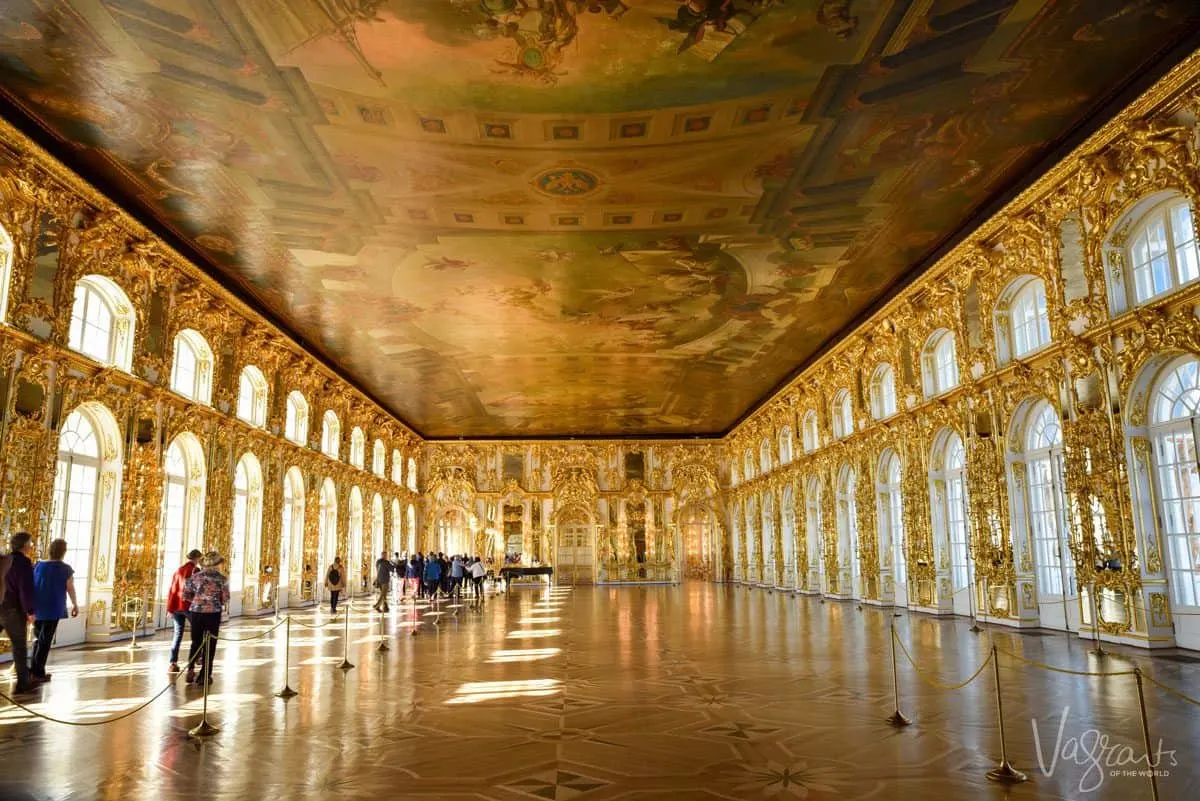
[477,691]
[525,621]
[529,633]
[523,655]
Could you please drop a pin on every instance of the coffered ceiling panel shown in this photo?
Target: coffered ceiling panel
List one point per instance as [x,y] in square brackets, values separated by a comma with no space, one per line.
[568,217]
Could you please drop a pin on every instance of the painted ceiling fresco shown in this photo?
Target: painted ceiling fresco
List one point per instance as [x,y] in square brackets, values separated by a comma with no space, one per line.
[569,217]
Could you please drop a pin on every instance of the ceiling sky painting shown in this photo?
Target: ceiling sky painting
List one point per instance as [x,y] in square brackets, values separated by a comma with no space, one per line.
[568,217]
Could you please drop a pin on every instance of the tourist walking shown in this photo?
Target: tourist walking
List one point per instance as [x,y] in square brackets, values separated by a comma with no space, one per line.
[335,583]
[53,584]
[457,573]
[478,573]
[412,577]
[433,577]
[206,594]
[17,605]
[383,581]
[177,608]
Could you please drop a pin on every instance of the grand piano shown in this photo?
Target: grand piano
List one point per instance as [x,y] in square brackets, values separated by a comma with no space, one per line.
[511,572]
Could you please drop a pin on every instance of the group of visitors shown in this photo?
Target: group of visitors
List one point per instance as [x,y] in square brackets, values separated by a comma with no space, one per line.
[37,594]
[198,595]
[427,576]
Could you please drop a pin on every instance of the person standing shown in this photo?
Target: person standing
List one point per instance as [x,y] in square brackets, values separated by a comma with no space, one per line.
[420,575]
[335,583]
[433,576]
[206,594]
[17,605]
[383,581]
[410,577]
[53,583]
[177,608]
[478,572]
[457,573]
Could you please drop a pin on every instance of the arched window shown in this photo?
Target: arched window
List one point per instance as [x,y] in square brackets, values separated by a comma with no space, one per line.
[88,453]
[748,464]
[787,520]
[939,363]
[327,533]
[252,396]
[883,392]
[1022,320]
[843,414]
[398,528]
[411,474]
[102,322]
[354,531]
[378,458]
[847,527]
[811,436]
[764,456]
[812,527]
[734,480]
[1161,251]
[1047,501]
[766,534]
[377,527]
[358,447]
[410,524]
[397,468]
[291,536]
[295,426]
[331,435]
[890,515]
[183,506]
[245,541]
[192,370]
[1174,415]
[785,445]
[6,262]
[950,502]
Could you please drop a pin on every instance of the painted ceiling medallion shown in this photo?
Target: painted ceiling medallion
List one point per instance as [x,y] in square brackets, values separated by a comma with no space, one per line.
[566,182]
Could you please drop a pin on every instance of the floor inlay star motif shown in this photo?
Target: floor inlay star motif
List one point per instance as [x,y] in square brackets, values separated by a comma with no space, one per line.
[557,785]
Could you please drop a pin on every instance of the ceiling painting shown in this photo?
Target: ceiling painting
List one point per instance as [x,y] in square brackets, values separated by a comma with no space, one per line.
[568,217]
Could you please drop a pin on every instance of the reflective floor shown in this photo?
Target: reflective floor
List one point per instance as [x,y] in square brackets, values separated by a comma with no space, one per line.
[691,692]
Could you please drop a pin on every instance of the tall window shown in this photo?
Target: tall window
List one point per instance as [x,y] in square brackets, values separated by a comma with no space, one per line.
[247,508]
[378,458]
[891,518]
[843,414]
[183,501]
[76,477]
[411,474]
[1174,415]
[812,527]
[331,435]
[410,524]
[358,447]
[101,322]
[811,437]
[1162,250]
[785,445]
[883,392]
[397,468]
[939,363]
[764,456]
[354,520]
[252,396]
[951,479]
[377,525]
[292,528]
[191,372]
[398,528]
[1028,319]
[6,262]
[748,464]
[327,525]
[1047,502]
[295,426]
[847,524]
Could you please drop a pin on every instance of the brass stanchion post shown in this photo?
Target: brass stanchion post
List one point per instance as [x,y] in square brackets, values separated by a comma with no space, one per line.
[1099,649]
[1151,762]
[287,691]
[204,728]
[898,718]
[346,663]
[1006,773]
[383,646]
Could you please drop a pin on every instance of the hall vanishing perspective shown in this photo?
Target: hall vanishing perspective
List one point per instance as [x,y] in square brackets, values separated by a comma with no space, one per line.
[812,388]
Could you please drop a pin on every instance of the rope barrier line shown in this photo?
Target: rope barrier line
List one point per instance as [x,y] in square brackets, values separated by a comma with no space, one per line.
[923,676]
[260,635]
[114,719]
[1170,690]
[1069,671]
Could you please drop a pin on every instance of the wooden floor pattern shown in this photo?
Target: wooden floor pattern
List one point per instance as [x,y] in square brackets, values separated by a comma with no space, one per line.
[683,693]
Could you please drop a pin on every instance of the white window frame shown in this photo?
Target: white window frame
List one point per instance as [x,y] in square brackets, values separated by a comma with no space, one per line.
[883,392]
[397,468]
[810,432]
[939,363]
[1143,284]
[252,396]
[843,414]
[785,445]
[358,448]
[6,264]
[295,426]
[378,458]
[1174,417]
[196,385]
[331,434]
[92,291]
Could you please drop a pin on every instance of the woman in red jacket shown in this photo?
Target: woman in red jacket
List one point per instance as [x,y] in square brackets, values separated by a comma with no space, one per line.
[177,608]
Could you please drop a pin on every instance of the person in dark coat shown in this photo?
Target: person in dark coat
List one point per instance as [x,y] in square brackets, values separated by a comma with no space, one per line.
[17,607]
